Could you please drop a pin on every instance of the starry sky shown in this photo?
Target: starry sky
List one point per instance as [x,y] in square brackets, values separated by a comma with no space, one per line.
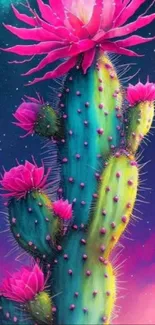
[137,261]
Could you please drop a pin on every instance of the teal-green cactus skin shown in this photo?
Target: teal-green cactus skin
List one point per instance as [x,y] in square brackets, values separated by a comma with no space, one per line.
[93,120]
[48,123]
[14,313]
[33,224]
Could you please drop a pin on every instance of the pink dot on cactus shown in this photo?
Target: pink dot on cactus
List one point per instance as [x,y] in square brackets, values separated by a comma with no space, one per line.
[75,227]
[76,294]
[77,156]
[100,131]
[70,272]
[72,307]
[65,160]
[113,225]
[87,104]
[103,231]
[124,219]
[19,288]
[82,185]
[84,257]
[104,319]
[105,262]
[15,319]
[104,213]
[20,180]
[71,179]
[7,315]
[107,189]
[54,309]
[108,293]
[85,310]
[133,163]
[95,292]
[101,259]
[128,205]
[13,220]
[83,241]
[59,248]
[78,93]
[66,256]
[88,273]
[102,248]
[101,106]
[118,174]
[48,237]
[62,209]
[100,88]
[30,243]
[130,182]
[116,199]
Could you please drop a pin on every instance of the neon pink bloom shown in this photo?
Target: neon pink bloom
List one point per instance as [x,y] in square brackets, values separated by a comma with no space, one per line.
[77,29]
[141,93]
[26,115]
[23,178]
[24,285]
[62,209]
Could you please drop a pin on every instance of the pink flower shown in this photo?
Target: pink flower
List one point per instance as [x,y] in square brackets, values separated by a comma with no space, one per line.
[62,209]
[27,113]
[140,93]
[23,178]
[78,29]
[24,285]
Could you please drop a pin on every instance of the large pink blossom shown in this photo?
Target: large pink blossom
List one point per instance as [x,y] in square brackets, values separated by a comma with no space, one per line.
[24,285]
[141,93]
[75,30]
[23,178]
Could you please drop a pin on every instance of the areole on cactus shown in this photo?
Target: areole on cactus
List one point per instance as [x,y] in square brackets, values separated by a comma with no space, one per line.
[96,143]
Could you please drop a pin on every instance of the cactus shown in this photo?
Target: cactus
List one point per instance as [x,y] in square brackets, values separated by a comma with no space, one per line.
[75,235]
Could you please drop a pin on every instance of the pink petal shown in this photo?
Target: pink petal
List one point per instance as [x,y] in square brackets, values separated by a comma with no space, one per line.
[66,51]
[58,8]
[112,47]
[47,13]
[129,11]
[118,7]
[50,58]
[38,174]
[22,17]
[95,20]
[129,28]
[61,70]
[32,282]
[133,40]
[108,13]
[40,277]
[35,49]
[78,26]
[88,59]
[34,34]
